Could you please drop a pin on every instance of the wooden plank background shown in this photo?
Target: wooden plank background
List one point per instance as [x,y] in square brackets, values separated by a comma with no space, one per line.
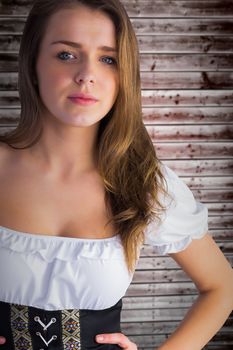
[186,56]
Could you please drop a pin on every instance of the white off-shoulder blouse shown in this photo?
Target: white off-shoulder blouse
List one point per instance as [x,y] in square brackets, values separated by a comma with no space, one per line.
[56,273]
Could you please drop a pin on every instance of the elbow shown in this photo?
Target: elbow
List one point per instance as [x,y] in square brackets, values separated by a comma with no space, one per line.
[228,287]
[223,291]
[227,291]
[231,288]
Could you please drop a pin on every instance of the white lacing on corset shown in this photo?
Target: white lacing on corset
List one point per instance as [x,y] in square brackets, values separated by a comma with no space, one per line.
[45,327]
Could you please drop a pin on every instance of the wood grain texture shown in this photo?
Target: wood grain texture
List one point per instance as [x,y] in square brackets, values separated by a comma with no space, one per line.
[183,26]
[175,150]
[186,63]
[197,98]
[145,8]
[187,132]
[162,62]
[188,115]
[151,261]
[158,327]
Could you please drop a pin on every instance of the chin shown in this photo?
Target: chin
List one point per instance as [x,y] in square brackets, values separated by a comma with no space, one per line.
[80,122]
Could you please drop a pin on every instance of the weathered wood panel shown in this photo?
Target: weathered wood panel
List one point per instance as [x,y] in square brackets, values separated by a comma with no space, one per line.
[217,167]
[183,26]
[151,341]
[149,252]
[158,289]
[208,182]
[178,8]
[186,80]
[210,346]
[157,327]
[160,62]
[190,98]
[189,44]
[187,132]
[171,276]
[174,150]
[187,115]
[145,8]
[220,209]
[140,303]
[222,235]
[215,195]
[155,314]
[159,263]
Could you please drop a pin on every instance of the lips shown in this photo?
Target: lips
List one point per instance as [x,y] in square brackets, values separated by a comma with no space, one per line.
[86,97]
[83,101]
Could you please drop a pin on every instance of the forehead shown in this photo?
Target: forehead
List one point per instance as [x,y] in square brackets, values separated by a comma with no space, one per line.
[81,24]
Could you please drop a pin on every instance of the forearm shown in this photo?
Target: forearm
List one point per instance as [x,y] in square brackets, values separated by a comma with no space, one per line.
[202,321]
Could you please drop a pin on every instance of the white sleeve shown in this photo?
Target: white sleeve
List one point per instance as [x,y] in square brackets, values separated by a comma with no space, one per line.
[184,219]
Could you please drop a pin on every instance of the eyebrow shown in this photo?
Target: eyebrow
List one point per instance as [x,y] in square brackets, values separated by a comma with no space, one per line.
[79,46]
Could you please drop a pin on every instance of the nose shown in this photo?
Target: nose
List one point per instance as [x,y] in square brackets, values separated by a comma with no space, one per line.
[85,75]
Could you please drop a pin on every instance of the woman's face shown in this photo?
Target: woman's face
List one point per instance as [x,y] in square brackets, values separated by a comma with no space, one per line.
[84,65]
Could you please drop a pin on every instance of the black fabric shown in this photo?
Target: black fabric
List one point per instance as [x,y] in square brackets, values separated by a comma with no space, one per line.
[100,322]
[5,326]
[54,329]
[30,328]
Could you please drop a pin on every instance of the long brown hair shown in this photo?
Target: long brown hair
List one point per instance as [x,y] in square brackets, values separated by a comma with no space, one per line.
[127,159]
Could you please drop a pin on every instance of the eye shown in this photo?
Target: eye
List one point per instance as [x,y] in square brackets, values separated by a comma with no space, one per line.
[64,55]
[110,60]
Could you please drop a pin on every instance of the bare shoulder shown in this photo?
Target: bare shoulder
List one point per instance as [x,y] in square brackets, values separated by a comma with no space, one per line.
[8,176]
[9,183]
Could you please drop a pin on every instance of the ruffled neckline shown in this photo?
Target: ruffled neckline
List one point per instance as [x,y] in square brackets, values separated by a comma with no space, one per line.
[54,238]
[58,247]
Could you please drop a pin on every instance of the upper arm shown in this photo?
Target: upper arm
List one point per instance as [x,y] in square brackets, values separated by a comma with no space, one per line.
[183,235]
[205,264]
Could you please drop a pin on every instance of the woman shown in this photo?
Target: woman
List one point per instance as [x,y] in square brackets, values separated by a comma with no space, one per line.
[82,189]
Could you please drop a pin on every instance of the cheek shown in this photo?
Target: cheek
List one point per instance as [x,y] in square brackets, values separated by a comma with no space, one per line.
[49,74]
[52,83]
[111,85]
[54,76]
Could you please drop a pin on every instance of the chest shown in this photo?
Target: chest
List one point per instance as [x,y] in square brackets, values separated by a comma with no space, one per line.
[35,203]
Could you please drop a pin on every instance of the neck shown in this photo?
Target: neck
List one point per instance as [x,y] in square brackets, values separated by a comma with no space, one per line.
[67,151]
